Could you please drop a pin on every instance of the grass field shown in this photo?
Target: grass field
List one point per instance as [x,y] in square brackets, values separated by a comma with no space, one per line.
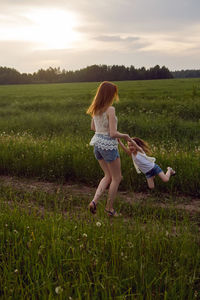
[51,248]
[50,245]
[45,131]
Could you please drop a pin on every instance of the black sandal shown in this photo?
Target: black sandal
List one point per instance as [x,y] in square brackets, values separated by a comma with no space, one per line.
[111,213]
[93,208]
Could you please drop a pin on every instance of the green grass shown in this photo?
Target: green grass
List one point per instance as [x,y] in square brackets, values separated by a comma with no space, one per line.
[51,248]
[45,132]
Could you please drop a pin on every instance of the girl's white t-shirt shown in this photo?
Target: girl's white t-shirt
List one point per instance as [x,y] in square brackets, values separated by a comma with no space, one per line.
[143,162]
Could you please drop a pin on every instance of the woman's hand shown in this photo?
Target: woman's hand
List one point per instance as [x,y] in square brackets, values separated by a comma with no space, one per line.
[127,138]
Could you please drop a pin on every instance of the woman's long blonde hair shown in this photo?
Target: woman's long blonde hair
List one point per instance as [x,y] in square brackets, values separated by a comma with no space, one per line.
[106,93]
[144,145]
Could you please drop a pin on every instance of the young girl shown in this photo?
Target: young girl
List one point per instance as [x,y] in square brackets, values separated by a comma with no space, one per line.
[144,163]
[104,123]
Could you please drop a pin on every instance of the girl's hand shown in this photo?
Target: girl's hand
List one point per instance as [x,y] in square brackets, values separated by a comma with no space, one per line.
[127,138]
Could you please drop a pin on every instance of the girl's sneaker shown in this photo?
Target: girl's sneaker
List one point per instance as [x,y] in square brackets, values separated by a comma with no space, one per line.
[172,172]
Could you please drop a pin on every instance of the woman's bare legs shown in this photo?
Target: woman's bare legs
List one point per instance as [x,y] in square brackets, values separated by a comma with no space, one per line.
[105,181]
[115,171]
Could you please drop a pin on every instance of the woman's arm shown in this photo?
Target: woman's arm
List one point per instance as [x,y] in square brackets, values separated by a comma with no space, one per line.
[93,125]
[113,125]
[124,147]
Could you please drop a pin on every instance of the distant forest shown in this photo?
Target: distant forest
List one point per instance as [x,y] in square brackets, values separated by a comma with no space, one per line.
[186,74]
[92,73]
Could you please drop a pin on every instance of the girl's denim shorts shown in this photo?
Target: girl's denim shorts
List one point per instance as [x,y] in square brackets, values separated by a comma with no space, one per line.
[107,155]
[156,170]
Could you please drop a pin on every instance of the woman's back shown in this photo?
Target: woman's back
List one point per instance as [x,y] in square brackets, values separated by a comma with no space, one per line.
[101,123]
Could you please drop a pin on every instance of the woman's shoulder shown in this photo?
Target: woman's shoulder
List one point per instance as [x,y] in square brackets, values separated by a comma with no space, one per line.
[110,110]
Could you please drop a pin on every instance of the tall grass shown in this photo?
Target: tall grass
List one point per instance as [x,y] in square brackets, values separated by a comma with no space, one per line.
[45,131]
[47,255]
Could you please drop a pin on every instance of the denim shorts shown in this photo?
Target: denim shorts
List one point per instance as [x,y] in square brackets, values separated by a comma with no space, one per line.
[107,155]
[156,170]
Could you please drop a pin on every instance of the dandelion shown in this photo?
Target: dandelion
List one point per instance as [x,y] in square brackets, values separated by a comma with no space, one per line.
[58,290]
[130,245]
[85,235]
[98,224]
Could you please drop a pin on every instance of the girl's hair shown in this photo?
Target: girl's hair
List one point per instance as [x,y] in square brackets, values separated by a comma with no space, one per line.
[106,93]
[144,145]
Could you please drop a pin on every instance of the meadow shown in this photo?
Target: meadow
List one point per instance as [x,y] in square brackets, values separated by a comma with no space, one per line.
[45,132]
[51,247]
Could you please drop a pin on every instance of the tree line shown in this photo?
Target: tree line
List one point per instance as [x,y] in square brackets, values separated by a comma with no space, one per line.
[186,74]
[90,73]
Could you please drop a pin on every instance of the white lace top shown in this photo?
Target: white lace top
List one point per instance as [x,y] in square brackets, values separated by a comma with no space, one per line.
[102,138]
[101,123]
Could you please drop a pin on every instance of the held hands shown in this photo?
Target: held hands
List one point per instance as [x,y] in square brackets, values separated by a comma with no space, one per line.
[127,138]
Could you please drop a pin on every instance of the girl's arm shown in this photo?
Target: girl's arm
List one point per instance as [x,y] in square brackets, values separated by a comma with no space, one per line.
[113,125]
[124,147]
[93,125]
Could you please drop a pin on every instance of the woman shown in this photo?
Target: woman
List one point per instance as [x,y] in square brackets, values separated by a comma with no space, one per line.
[104,123]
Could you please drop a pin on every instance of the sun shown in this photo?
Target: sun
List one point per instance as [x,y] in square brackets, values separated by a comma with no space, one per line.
[53,29]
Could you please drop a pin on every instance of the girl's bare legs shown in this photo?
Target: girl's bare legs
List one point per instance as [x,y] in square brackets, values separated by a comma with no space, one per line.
[105,181]
[115,171]
[166,176]
[150,182]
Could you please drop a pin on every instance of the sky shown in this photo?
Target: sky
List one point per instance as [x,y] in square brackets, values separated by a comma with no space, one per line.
[73,34]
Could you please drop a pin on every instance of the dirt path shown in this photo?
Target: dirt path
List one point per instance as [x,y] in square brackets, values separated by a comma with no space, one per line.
[30,185]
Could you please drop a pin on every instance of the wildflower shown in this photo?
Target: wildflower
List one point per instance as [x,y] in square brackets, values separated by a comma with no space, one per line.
[58,290]
[15,231]
[6,225]
[130,245]
[98,224]
[85,235]
[16,271]
[81,246]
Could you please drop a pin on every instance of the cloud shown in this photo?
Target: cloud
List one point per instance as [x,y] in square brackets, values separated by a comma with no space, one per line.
[139,32]
[115,38]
